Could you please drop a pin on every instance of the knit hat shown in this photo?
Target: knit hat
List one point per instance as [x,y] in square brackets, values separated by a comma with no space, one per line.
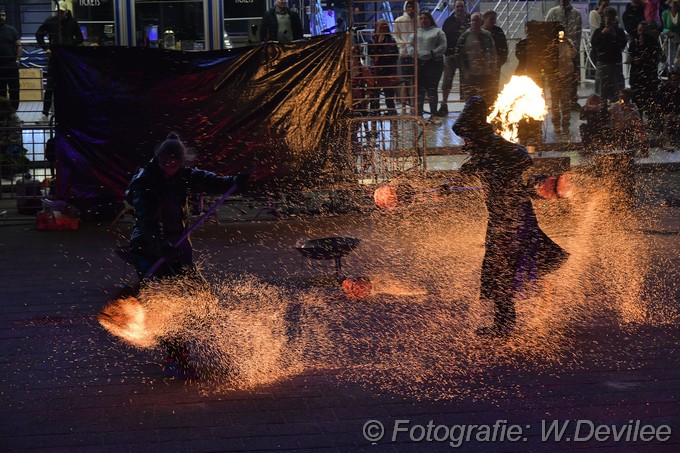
[173,147]
[63,6]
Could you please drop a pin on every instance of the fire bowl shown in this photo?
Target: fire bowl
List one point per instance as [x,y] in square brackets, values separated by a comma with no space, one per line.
[327,248]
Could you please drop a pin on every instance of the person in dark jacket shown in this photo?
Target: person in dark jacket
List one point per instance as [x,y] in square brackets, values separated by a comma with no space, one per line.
[521,55]
[62,29]
[668,109]
[501,44]
[10,60]
[517,251]
[476,54]
[280,24]
[645,56]
[561,53]
[453,27]
[608,42]
[158,193]
[632,16]
[384,52]
[596,131]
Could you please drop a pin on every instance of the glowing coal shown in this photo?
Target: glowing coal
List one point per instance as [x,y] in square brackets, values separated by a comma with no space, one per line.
[520,99]
[555,187]
[357,287]
[565,186]
[394,195]
[548,188]
[385,197]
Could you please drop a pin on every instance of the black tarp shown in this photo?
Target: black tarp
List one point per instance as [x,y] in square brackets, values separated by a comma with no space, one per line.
[281,106]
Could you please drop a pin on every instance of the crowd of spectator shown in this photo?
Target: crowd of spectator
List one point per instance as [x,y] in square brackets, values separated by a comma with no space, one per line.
[649,105]
[476,47]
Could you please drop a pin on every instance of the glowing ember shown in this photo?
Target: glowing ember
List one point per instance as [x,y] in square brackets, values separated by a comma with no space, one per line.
[548,188]
[357,287]
[386,197]
[521,98]
[554,187]
[565,186]
[393,195]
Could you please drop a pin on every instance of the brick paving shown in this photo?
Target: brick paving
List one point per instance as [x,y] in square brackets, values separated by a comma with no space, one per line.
[69,386]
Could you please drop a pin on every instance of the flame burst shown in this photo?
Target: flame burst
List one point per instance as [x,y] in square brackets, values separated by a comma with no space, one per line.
[126,318]
[521,98]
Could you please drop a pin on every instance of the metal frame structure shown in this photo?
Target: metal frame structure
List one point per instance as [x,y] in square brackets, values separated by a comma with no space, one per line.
[383,143]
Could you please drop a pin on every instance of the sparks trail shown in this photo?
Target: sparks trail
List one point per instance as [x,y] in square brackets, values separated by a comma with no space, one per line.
[414,335]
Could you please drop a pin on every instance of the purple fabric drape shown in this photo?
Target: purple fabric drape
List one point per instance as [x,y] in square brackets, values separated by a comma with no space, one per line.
[280,106]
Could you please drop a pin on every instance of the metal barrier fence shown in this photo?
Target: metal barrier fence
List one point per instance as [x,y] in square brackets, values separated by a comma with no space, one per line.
[26,166]
[384,143]
[588,66]
[385,146]
[25,171]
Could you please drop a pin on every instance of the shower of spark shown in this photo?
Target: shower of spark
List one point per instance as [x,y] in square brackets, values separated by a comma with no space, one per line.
[415,334]
[520,99]
[235,332]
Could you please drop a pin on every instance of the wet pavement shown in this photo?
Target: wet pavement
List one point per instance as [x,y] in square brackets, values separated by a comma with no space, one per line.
[610,384]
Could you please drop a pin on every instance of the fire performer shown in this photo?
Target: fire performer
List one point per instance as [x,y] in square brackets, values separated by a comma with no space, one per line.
[158,193]
[517,251]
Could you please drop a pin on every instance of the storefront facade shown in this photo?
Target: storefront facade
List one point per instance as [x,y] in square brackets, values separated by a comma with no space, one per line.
[178,24]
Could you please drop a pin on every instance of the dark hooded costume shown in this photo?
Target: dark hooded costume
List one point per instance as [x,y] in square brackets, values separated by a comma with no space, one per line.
[517,251]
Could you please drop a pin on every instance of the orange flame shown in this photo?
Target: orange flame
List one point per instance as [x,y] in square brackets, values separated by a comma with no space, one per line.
[126,318]
[521,98]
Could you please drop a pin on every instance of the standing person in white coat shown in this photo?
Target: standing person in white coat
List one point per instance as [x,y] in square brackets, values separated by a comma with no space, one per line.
[431,46]
[404,28]
[596,16]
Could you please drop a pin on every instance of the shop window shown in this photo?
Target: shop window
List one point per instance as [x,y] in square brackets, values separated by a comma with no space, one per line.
[96,19]
[170,24]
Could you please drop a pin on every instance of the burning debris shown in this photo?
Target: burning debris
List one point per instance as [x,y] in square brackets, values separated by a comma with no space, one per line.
[357,288]
[553,187]
[126,318]
[385,197]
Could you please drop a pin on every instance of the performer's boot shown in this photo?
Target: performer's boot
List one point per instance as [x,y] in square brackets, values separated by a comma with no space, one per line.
[503,321]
